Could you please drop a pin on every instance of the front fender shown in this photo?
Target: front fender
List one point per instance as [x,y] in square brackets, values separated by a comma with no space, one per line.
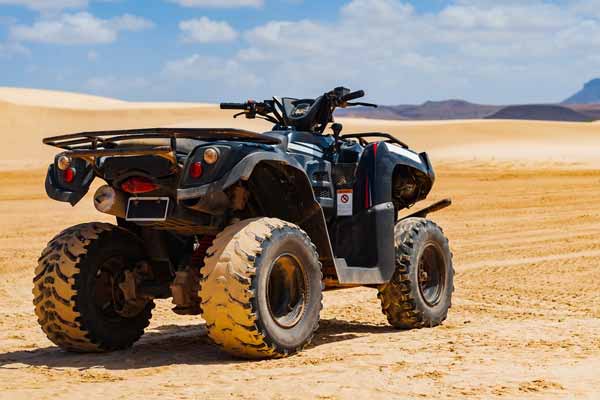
[376,170]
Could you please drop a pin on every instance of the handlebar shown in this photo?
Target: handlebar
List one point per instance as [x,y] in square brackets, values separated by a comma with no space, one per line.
[313,121]
[353,96]
[234,106]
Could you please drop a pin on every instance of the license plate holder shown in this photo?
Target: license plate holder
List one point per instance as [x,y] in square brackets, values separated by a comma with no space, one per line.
[147,209]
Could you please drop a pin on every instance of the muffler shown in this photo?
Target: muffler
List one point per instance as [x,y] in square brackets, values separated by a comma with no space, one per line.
[107,200]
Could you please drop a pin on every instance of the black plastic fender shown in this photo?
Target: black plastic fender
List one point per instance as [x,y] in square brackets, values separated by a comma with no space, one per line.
[69,193]
[364,244]
[369,256]
[376,171]
[241,171]
[311,219]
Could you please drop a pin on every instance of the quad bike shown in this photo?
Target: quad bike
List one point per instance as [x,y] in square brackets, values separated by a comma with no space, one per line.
[246,229]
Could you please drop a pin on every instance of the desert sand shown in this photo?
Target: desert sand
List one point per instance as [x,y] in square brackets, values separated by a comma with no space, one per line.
[524,229]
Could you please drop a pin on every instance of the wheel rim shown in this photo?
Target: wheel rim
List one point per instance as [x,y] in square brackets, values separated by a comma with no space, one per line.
[108,296]
[432,274]
[287,291]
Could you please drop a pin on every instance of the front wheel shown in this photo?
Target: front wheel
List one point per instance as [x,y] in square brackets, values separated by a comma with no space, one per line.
[420,291]
[77,289]
[261,289]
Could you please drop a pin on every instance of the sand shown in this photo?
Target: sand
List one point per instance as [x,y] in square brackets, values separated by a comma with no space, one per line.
[525,321]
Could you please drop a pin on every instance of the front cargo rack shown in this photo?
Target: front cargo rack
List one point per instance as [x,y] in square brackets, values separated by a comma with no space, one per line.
[88,145]
[361,138]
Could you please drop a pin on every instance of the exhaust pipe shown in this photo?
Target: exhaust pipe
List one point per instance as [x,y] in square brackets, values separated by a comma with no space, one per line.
[109,201]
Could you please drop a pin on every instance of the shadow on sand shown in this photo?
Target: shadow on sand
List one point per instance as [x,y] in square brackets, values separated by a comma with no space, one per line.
[169,345]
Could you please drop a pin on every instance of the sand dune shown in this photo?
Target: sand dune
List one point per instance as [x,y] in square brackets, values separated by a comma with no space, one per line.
[524,229]
[25,119]
[79,101]
[28,115]
[50,98]
[497,140]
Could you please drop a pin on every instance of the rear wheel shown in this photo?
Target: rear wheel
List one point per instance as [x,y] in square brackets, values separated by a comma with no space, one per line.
[261,289]
[78,294]
[420,291]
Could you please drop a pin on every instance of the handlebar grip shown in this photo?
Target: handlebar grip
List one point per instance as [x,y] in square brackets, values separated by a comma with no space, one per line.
[233,106]
[354,95]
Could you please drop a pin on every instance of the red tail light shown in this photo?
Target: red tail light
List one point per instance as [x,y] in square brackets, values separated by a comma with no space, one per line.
[138,184]
[196,170]
[69,175]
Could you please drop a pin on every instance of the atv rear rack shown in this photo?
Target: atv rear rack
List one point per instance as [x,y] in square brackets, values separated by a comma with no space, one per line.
[89,145]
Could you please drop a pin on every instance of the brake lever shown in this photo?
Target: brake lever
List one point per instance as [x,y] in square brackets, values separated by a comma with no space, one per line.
[239,114]
[362,104]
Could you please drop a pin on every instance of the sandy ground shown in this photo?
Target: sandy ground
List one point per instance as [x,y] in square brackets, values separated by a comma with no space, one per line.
[525,322]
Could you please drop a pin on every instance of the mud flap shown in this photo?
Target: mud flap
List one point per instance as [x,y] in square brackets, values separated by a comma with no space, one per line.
[369,247]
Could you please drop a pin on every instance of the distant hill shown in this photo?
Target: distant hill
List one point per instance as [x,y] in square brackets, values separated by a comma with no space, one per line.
[430,110]
[459,109]
[591,110]
[582,107]
[541,112]
[590,94]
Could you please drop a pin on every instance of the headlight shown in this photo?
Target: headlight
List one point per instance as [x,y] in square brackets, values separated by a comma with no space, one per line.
[211,155]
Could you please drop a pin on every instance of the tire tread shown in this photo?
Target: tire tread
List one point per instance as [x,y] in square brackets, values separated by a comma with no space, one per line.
[227,293]
[56,286]
[397,302]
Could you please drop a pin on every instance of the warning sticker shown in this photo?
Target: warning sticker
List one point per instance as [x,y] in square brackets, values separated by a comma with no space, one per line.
[344,202]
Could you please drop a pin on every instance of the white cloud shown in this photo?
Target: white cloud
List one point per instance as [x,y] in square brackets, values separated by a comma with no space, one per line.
[210,69]
[252,55]
[132,23]
[8,50]
[6,20]
[299,36]
[78,28]
[111,84]
[586,8]
[523,16]
[204,30]
[219,3]
[509,51]
[46,5]
[496,51]
[92,55]
[379,10]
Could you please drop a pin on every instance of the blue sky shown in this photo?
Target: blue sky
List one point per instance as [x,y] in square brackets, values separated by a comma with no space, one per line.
[209,50]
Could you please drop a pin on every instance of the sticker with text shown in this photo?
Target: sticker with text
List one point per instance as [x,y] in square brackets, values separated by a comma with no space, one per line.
[344,202]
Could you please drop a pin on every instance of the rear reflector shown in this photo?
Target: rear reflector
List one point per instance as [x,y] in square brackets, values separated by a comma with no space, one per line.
[196,170]
[138,184]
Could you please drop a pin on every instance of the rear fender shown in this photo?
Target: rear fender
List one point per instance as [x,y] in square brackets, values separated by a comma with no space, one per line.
[281,189]
[284,191]
[240,172]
